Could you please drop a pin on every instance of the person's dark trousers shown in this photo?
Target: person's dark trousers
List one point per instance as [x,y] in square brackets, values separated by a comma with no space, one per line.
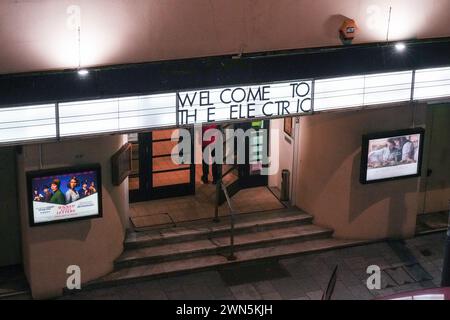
[205,167]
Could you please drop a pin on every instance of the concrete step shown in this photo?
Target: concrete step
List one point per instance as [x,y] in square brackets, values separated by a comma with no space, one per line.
[219,245]
[206,229]
[213,261]
[16,295]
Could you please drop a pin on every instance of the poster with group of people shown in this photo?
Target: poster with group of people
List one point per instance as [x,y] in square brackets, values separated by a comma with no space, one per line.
[68,195]
[394,156]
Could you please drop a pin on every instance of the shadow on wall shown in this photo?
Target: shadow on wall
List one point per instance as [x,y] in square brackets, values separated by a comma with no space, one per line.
[117,201]
[362,197]
[112,193]
[333,24]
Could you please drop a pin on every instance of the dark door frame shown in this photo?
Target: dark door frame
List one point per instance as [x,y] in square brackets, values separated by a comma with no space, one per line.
[245,178]
[147,191]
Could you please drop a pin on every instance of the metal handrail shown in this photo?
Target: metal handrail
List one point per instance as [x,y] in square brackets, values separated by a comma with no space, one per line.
[231,256]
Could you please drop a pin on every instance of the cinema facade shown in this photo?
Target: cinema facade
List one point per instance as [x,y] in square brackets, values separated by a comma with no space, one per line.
[337,111]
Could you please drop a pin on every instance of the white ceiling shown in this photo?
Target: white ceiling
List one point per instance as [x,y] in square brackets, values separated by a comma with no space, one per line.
[42,34]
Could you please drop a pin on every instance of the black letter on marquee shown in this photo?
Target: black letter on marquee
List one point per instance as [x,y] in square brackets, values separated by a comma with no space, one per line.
[254,95]
[295,89]
[205,98]
[188,98]
[300,105]
[221,96]
[293,85]
[250,109]
[265,93]
[233,111]
[284,107]
[264,109]
[211,113]
[234,97]
[185,116]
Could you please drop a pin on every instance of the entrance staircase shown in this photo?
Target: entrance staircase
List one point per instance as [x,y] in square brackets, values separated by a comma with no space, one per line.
[205,245]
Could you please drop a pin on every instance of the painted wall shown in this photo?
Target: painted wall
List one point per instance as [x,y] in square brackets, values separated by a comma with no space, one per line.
[437,160]
[10,248]
[41,35]
[91,244]
[328,181]
[281,150]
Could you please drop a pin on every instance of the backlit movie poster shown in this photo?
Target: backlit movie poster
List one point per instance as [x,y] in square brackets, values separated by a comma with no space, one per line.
[393,157]
[65,196]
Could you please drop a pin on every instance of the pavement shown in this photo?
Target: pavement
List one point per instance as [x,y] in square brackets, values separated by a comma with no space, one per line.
[406,265]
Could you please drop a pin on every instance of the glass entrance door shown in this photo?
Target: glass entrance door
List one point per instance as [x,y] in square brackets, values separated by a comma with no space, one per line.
[155,175]
[256,148]
[168,178]
[249,174]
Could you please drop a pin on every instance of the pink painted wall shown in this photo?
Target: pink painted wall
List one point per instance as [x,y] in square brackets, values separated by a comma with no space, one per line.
[328,181]
[41,35]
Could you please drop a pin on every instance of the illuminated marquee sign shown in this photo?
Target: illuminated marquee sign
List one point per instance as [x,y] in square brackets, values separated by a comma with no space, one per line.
[239,103]
[246,102]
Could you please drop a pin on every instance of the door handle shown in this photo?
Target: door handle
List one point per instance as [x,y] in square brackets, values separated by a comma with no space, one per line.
[429,172]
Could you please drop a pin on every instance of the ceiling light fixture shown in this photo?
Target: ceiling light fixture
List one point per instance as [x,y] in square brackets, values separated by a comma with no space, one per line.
[83,72]
[400,46]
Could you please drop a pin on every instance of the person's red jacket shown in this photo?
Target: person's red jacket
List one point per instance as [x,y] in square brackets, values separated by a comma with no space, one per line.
[205,128]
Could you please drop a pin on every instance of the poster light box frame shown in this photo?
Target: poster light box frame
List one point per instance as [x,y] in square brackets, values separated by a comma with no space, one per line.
[31,175]
[386,135]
